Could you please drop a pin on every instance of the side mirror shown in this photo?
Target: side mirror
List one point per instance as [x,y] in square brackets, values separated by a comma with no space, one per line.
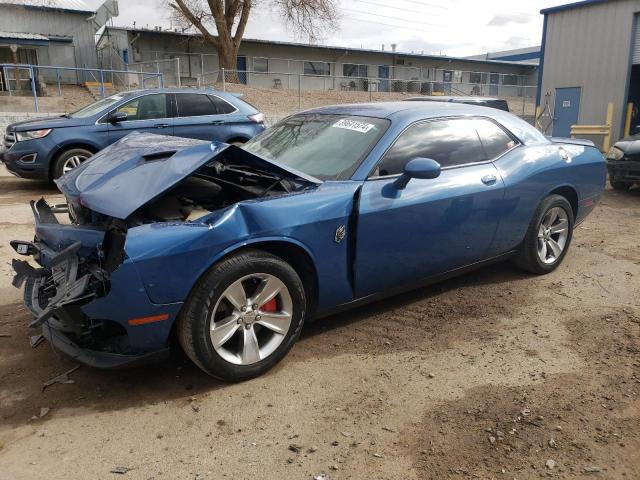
[117,117]
[423,168]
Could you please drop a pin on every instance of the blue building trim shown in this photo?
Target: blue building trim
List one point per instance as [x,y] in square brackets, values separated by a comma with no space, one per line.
[569,6]
[518,57]
[543,46]
[23,41]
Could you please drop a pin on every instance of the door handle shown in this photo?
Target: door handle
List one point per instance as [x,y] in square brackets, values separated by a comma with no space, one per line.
[217,122]
[162,125]
[489,179]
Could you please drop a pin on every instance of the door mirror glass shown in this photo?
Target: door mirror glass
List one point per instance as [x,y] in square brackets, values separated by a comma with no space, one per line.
[422,168]
[117,117]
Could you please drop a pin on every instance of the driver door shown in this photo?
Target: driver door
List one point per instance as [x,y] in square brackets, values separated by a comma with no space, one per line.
[147,113]
[431,226]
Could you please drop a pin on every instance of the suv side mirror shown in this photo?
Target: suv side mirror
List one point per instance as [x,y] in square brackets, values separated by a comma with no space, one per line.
[116,117]
[423,168]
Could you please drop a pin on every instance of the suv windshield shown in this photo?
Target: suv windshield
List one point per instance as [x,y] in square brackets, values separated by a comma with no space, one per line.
[97,107]
[328,147]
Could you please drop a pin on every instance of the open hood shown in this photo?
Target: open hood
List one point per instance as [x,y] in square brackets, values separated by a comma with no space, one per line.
[132,172]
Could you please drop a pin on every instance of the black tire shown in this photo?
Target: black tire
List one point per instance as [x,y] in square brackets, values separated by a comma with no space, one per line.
[620,185]
[193,326]
[58,167]
[528,258]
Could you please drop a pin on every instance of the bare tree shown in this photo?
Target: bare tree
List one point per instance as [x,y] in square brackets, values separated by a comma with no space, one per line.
[222,22]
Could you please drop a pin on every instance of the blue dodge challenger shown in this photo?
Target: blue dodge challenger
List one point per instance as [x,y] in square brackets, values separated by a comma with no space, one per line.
[229,250]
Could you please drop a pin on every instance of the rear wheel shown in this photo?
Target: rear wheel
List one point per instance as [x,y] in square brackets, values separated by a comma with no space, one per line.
[620,185]
[548,237]
[70,159]
[243,316]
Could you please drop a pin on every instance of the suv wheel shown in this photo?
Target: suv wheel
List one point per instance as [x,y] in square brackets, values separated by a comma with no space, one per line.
[243,316]
[69,159]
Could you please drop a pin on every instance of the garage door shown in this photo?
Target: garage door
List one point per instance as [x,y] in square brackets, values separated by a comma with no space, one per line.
[636,43]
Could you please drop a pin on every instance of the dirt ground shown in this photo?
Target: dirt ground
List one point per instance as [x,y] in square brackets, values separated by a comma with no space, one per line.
[496,374]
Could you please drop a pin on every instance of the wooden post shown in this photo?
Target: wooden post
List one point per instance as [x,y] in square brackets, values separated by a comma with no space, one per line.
[627,119]
[606,143]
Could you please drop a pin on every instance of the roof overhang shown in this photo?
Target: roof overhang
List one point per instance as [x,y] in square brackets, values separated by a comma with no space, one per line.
[18,38]
[570,6]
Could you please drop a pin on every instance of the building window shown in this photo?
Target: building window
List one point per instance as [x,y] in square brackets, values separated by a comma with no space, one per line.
[316,68]
[510,80]
[353,70]
[260,64]
[475,77]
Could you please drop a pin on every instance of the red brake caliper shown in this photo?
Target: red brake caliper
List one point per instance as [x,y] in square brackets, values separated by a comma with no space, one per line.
[270,306]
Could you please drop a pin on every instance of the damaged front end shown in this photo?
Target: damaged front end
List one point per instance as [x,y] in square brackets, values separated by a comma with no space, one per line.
[75,264]
[99,281]
[77,271]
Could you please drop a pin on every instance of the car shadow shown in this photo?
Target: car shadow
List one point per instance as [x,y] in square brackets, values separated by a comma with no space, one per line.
[177,379]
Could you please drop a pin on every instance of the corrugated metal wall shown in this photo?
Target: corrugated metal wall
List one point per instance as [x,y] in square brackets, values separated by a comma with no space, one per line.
[50,22]
[590,47]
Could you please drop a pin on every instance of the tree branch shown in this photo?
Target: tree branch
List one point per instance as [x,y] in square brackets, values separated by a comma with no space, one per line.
[182,8]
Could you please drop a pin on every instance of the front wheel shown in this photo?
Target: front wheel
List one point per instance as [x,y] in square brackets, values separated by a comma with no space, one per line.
[69,160]
[548,237]
[243,316]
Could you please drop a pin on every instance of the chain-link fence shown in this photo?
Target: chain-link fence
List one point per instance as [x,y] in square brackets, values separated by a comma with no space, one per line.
[280,94]
[40,82]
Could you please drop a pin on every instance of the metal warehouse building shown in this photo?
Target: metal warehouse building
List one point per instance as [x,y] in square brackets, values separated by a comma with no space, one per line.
[47,32]
[591,57]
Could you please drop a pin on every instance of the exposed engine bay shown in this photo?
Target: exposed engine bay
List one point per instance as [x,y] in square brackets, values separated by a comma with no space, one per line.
[214,186]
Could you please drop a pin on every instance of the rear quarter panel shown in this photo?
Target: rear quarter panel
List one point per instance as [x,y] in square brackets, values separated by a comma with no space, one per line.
[531,172]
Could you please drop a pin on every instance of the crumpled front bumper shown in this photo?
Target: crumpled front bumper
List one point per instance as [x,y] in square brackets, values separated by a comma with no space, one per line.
[101,318]
[624,170]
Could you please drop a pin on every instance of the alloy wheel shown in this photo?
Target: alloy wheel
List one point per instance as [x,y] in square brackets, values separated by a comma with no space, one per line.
[251,319]
[73,162]
[552,235]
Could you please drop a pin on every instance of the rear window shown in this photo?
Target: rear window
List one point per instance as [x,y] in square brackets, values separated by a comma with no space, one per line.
[195,105]
[222,106]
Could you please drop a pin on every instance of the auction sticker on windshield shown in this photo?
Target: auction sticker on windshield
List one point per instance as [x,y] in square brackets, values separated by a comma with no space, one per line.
[354,125]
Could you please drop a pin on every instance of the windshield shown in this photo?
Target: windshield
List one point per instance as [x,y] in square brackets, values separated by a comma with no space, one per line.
[328,147]
[97,107]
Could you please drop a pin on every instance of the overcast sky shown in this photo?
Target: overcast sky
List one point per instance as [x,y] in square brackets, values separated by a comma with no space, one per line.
[454,27]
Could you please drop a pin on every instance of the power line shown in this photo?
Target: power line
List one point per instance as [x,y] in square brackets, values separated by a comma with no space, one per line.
[410,10]
[394,18]
[426,4]
[387,24]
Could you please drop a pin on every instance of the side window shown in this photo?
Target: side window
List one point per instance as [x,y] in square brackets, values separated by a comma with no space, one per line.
[147,107]
[448,142]
[222,106]
[494,140]
[194,105]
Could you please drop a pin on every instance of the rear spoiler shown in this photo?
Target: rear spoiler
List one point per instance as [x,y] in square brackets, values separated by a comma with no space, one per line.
[572,141]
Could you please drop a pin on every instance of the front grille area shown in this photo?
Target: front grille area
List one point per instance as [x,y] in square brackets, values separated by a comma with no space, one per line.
[9,139]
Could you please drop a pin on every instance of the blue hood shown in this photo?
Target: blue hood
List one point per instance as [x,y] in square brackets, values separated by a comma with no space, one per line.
[49,122]
[123,177]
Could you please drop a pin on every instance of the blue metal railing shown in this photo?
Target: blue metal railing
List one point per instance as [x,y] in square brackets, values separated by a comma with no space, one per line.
[96,75]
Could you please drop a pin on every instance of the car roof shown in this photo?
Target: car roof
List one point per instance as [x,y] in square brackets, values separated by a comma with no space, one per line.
[400,109]
[452,98]
[405,113]
[209,90]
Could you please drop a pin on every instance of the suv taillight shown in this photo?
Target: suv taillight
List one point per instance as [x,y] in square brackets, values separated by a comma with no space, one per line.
[257,118]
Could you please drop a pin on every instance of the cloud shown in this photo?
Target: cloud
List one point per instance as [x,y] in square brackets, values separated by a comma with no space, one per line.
[501,19]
